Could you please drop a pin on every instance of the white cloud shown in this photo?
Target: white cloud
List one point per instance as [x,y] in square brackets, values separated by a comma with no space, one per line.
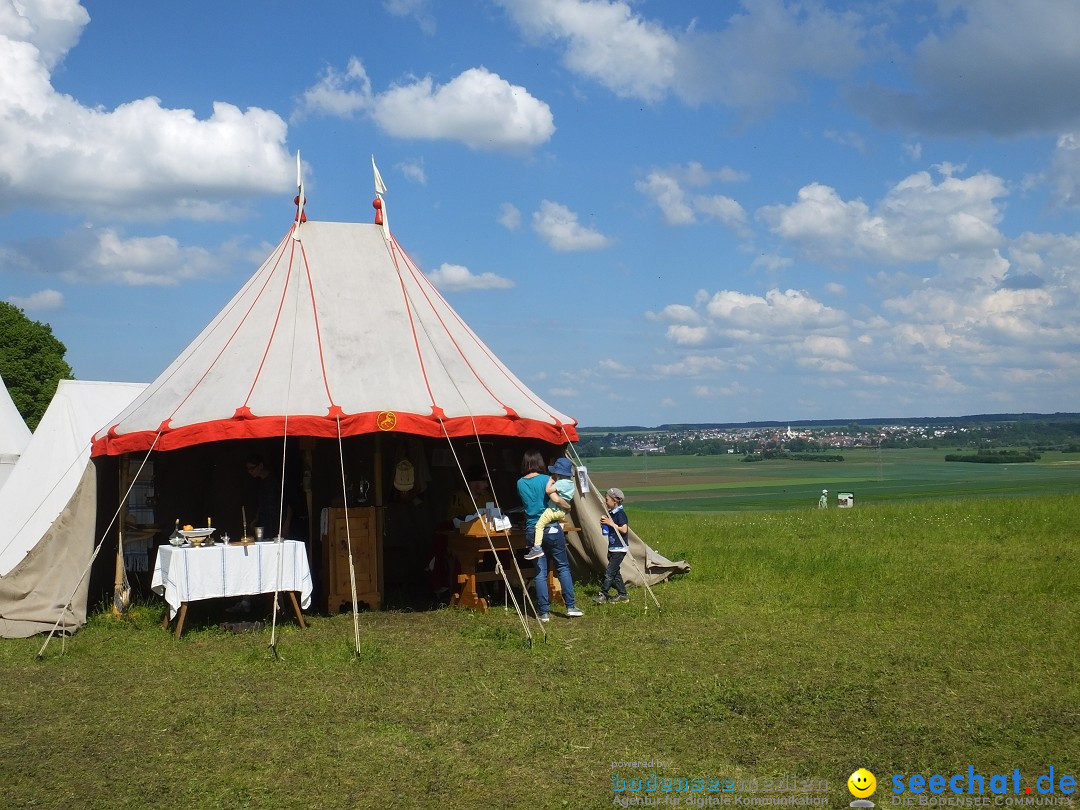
[477,108]
[992,66]
[509,217]
[916,221]
[683,335]
[140,160]
[40,301]
[752,63]
[771,262]
[96,256]
[414,170]
[676,313]
[457,278]
[665,188]
[559,227]
[694,365]
[605,41]
[765,52]
[788,313]
[1065,170]
[610,366]
[337,94]
[666,192]
[419,10]
[853,139]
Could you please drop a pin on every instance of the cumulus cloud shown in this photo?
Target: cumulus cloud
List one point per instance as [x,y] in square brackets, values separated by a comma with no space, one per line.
[668,189]
[991,66]
[605,41]
[336,93]
[610,43]
[106,255]
[414,170]
[1065,170]
[917,220]
[559,227]
[419,10]
[139,160]
[731,318]
[41,301]
[458,278]
[477,108]
[509,217]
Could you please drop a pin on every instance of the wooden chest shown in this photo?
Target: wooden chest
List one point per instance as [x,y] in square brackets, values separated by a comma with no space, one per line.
[360,527]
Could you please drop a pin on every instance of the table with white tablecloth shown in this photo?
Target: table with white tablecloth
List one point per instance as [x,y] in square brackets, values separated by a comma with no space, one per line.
[184,574]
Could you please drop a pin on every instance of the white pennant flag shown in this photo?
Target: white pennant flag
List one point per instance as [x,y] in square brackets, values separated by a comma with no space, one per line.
[380,186]
[299,197]
[380,189]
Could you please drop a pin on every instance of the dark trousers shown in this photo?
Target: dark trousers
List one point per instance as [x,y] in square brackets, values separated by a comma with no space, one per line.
[613,574]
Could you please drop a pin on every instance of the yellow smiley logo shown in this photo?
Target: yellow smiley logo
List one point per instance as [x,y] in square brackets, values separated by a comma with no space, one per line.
[861,783]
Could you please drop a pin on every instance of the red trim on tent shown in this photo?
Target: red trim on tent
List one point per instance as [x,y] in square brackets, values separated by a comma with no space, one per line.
[265,427]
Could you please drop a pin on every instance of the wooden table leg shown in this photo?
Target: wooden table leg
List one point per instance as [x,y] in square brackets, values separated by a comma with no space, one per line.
[180,619]
[296,610]
[467,597]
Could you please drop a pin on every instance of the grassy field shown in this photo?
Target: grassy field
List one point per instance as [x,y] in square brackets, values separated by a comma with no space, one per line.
[902,637]
[727,483]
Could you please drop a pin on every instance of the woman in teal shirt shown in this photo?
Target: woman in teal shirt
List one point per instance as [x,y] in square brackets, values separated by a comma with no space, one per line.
[532,490]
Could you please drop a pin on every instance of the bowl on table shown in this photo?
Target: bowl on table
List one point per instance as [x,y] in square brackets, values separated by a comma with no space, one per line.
[197,537]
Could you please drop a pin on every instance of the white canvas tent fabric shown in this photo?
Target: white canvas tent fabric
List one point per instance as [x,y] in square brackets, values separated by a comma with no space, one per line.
[49,508]
[14,434]
[337,327]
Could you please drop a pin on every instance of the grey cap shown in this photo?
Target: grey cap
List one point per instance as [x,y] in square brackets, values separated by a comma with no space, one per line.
[617,494]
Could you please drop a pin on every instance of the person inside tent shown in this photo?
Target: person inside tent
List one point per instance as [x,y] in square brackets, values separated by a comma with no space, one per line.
[269,499]
[468,500]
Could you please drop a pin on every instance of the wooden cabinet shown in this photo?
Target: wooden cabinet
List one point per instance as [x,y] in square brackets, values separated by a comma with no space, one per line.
[362,527]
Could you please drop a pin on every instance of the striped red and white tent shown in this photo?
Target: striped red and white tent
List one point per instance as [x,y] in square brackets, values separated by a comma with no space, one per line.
[337,329]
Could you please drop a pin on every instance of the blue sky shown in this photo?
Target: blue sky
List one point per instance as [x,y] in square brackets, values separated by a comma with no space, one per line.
[653,212]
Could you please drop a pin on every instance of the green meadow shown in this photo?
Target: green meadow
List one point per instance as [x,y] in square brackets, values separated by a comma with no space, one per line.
[908,636]
[727,483]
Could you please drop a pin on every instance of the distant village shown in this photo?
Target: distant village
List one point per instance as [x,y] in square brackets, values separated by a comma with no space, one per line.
[1033,431]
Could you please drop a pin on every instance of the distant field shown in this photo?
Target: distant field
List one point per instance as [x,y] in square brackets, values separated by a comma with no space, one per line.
[729,484]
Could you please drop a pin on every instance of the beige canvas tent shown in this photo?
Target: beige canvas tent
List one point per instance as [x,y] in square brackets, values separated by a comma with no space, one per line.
[49,508]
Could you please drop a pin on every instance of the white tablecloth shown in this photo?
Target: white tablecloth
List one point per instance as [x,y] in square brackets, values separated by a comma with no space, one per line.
[184,574]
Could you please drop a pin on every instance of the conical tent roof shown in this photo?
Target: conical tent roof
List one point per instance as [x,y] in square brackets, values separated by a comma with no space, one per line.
[14,434]
[337,327]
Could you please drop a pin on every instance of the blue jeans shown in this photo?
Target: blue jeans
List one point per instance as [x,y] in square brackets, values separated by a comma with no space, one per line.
[554,545]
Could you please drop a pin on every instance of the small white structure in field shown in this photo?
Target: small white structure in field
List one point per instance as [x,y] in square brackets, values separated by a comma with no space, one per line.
[845,500]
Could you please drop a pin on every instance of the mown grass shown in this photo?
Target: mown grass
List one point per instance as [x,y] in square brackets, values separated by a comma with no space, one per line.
[918,637]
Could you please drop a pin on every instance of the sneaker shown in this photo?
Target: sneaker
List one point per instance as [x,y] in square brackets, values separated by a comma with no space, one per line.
[534,553]
[545,617]
[600,598]
[622,597]
[573,613]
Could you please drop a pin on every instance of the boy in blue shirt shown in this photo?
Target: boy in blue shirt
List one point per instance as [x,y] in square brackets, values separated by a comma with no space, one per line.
[615,526]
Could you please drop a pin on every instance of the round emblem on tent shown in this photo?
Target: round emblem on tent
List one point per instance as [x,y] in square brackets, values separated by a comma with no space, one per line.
[386,420]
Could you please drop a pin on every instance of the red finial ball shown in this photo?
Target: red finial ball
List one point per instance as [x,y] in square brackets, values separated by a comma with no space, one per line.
[377,205]
[303,214]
